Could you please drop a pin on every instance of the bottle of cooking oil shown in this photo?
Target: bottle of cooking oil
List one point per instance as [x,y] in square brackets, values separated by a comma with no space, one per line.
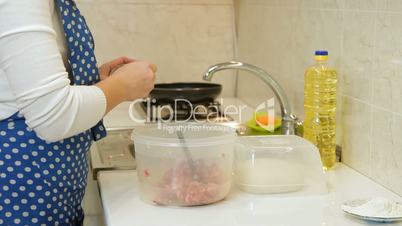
[320,83]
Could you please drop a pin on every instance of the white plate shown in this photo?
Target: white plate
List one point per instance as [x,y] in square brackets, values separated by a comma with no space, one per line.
[359,202]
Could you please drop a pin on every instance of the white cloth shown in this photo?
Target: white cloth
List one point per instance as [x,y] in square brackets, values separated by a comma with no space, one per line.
[33,77]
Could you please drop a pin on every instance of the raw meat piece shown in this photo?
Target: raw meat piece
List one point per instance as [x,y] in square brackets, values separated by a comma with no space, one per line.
[179,187]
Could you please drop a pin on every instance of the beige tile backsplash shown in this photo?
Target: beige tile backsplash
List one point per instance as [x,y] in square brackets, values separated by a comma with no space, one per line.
[183,37]
[364,39]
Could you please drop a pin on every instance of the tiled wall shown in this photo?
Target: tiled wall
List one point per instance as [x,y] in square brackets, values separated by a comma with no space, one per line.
[183,37]
[364,38]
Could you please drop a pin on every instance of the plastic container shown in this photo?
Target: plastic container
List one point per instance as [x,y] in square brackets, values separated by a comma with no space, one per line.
[165,174]
[320,84]
[276,164]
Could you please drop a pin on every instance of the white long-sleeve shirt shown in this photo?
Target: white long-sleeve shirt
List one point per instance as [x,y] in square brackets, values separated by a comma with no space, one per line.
[33,75]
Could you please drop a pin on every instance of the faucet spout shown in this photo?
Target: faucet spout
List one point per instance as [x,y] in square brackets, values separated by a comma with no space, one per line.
[288,120]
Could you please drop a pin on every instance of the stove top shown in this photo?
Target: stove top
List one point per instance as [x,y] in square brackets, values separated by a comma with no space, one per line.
[182,111]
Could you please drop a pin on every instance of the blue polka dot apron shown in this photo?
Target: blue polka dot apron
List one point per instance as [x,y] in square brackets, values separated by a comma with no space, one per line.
[43,183]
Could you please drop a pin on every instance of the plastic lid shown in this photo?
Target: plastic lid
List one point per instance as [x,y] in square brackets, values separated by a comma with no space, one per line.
[195,134]
[321,53]
[274,141]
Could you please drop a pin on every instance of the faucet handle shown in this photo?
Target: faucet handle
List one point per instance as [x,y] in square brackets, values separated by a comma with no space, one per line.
[299,129]
[288,125]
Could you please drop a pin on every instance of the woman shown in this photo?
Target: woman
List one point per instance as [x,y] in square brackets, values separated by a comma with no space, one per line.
[52,100]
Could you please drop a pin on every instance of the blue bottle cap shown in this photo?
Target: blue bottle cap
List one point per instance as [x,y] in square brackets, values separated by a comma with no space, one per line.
[321,53]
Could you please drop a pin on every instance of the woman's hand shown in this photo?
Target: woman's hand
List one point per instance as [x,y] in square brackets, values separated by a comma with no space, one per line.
[108,68]
[128,82]
[136,78]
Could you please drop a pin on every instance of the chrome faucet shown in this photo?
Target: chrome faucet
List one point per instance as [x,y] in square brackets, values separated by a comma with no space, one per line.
[288,120]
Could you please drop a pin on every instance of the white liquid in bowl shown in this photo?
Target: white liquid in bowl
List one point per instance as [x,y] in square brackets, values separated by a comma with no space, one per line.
[265,175]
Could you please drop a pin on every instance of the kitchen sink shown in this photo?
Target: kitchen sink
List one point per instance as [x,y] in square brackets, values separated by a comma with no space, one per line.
[114,152]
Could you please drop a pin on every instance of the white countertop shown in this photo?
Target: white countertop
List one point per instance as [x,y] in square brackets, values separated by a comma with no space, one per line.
[119,117]
[123,207]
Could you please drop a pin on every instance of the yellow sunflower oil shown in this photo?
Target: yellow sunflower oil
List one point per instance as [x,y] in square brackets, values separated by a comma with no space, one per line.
[320,84]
